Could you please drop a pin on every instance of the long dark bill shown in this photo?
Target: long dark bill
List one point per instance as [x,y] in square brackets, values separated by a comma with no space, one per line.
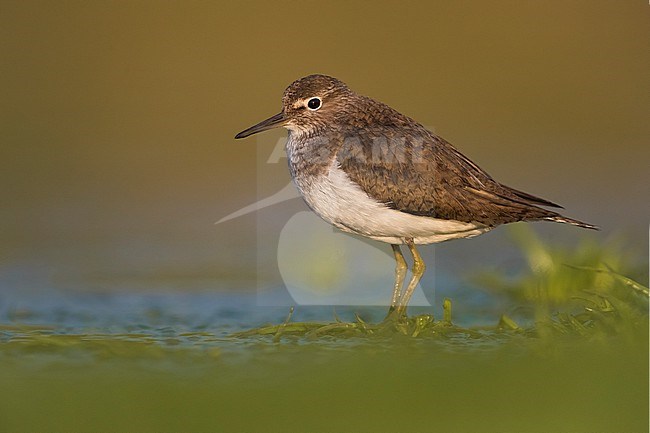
[270,123]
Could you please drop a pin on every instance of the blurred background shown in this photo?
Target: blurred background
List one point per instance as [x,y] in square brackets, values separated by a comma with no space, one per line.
[117,123]
[119,293]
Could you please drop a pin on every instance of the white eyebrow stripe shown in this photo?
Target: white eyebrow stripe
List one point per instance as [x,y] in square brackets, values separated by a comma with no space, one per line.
[303,102]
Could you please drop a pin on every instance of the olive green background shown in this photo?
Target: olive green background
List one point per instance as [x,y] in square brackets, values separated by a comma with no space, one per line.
[117,121]
[117,117]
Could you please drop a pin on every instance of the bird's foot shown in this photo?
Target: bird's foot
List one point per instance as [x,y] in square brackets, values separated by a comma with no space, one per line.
[395,315]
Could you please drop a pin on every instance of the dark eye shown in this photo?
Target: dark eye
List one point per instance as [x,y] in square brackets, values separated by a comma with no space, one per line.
[314,104]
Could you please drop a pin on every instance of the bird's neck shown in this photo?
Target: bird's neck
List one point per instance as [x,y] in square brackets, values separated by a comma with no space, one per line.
[309,154]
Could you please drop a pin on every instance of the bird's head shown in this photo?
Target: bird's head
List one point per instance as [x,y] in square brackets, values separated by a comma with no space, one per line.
[308,104]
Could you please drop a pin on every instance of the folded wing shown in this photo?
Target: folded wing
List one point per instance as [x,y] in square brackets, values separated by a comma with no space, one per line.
[415,171]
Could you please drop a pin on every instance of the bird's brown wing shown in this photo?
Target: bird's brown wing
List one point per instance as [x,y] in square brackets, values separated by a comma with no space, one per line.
[417,172]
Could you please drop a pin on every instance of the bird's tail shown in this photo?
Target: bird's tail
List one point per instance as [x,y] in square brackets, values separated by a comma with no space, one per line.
[565,220]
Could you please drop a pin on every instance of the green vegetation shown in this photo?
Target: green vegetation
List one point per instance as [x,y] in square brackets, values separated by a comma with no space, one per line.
[575,291]
[571,357]
[563,291]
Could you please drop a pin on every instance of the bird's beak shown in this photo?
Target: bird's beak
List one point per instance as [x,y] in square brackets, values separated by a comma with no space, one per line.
[270,123]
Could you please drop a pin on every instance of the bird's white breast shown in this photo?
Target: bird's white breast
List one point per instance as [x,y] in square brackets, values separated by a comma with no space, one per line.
[341,202]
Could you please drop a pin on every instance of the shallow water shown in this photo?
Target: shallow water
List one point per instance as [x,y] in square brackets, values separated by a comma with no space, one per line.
[165,362]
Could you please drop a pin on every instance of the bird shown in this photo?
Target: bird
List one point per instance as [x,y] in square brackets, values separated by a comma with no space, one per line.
[367,169]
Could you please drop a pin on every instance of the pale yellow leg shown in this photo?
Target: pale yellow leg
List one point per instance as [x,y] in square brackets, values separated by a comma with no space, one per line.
[417,271]
[400,273]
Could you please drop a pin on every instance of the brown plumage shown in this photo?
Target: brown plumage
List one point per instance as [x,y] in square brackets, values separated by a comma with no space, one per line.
[370,170]
[397,161]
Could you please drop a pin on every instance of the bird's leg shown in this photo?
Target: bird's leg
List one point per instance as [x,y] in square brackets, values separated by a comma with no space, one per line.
[417,271]
[400,273]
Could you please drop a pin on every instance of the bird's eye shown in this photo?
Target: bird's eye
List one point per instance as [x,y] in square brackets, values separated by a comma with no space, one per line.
[314,103]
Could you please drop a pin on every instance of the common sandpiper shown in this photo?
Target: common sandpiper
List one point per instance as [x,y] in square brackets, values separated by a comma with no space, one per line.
[367,169]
